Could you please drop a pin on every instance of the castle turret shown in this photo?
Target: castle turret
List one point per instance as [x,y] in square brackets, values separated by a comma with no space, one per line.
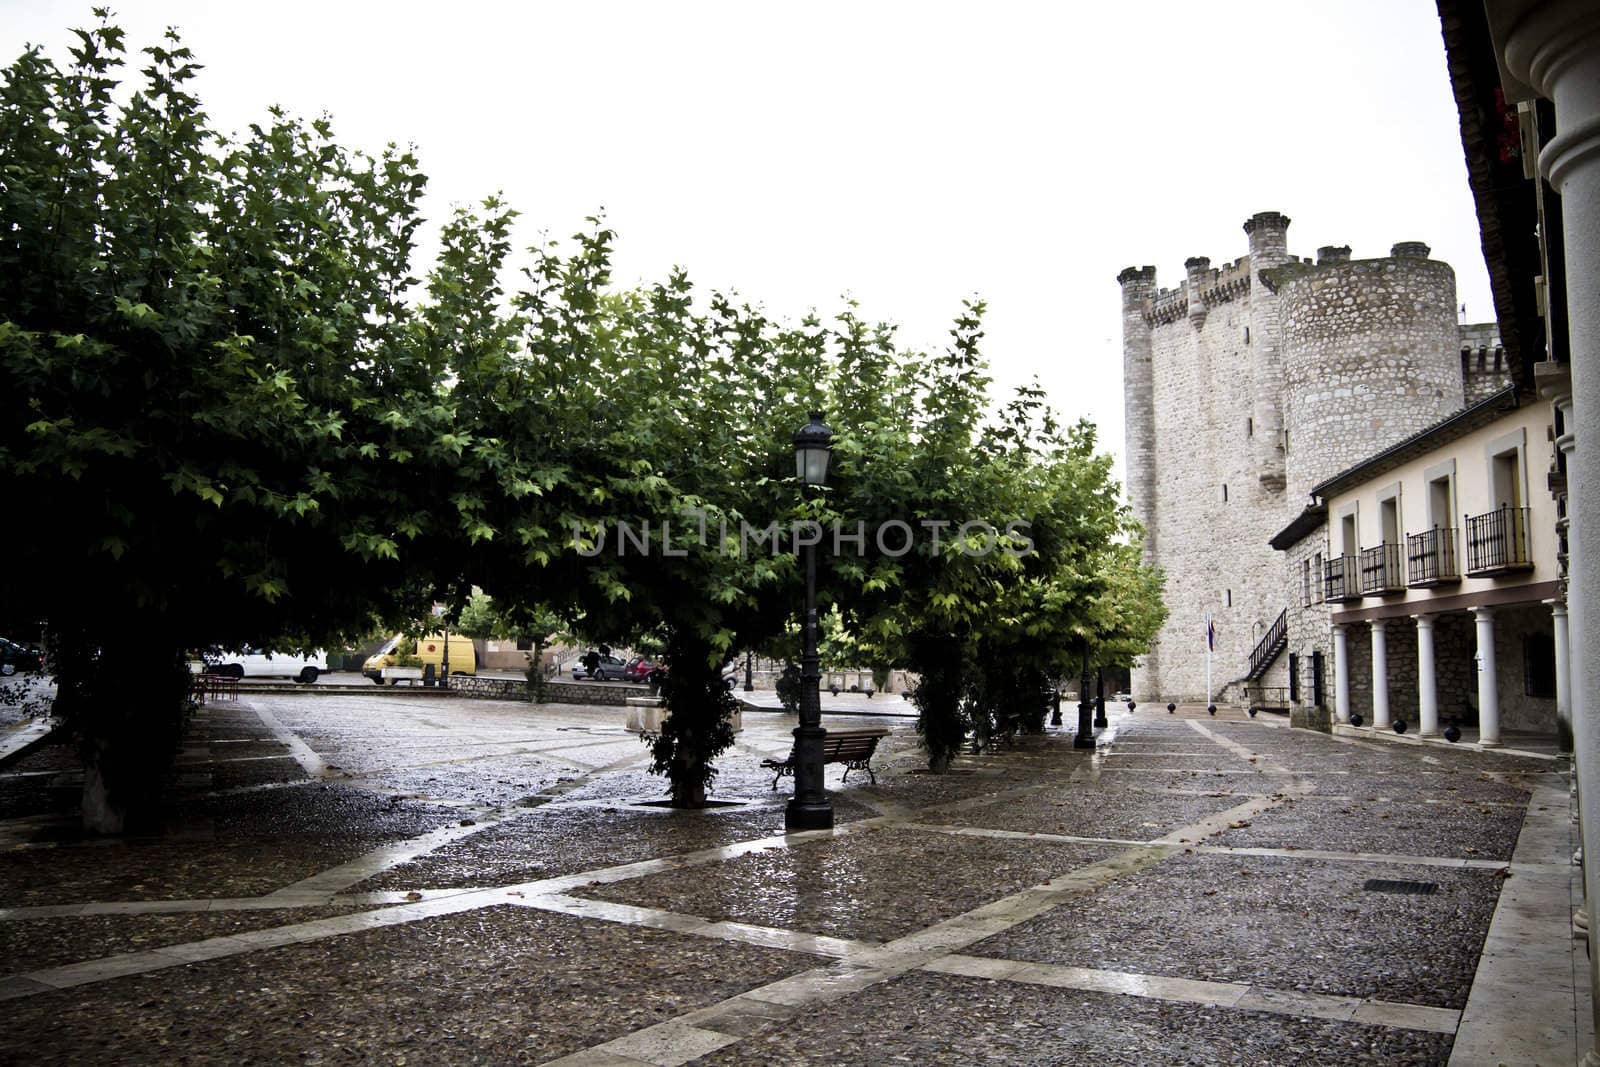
[1139,420]
[1138,397]
[1269,247]
[1371,355]
[1198,268]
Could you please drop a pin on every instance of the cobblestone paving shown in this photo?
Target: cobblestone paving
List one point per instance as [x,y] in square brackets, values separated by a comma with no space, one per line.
[1295,924]
[348,878]
[925,1018]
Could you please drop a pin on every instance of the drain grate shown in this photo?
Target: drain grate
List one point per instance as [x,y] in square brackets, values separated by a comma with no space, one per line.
[1385,885]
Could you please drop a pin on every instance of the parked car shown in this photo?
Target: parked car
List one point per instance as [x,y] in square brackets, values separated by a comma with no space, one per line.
[639,669]
[261,663]
[653,678]
[16,657]
[608,669]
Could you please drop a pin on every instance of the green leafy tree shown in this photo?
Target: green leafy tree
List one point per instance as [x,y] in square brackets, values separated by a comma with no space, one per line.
[211,385]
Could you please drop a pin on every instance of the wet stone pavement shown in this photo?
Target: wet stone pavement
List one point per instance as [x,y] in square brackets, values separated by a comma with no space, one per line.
[342,878]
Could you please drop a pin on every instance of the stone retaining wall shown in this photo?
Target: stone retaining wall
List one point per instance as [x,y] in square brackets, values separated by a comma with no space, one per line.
[471,685]
[604,693]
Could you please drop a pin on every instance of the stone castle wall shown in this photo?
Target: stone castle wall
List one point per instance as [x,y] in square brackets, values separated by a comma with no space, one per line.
[1245,386]
[1213,518]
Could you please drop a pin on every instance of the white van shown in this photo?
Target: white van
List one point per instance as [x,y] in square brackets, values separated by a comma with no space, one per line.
[260,663]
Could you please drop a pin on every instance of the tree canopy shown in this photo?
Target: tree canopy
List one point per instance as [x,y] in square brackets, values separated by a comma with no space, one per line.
[241,418]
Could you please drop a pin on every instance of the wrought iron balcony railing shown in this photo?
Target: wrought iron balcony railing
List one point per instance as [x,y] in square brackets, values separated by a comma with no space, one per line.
[1431,558]
[1497,543]
[1380,570]
[1341,579]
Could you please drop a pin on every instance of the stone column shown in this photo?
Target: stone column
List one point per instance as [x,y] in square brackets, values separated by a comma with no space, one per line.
[1488,683]
[1558,617]
[1380,675]
[1553,48]
[1427,683]
[1341,674]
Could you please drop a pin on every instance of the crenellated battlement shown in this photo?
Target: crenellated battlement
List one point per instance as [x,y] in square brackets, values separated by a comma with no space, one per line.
[1484,367]
[1215,286]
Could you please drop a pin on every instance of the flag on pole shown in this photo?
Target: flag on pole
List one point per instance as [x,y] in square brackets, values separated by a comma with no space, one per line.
[1211,634]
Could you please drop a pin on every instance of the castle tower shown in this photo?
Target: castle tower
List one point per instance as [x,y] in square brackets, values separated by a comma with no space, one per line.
[1371,355]
[1268,232]
[1244,387]
[1138,397]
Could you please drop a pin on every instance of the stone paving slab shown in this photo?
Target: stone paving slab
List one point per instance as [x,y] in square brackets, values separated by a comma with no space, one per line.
[35,944]
[1364,784]
[1292,924]
[496,985]
[1079,810]
[303,830]
[553,841]
[1391,827]
[876,885]
[923,1018]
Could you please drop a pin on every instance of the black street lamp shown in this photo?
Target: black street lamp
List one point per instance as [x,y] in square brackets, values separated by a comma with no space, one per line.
[1100,698]
[1085,735]
[810,808]
[749,678]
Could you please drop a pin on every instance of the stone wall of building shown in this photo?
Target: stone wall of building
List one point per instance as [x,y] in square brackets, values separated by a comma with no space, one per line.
[1212,514]
[1308,627]
[1455,677]
[1246,385]
[1513,627]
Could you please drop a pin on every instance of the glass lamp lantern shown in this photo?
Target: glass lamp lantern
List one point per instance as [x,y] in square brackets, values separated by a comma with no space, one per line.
[813,447]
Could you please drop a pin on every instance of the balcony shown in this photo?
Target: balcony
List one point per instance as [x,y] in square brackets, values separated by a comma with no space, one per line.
[1497,543]
[1431,559]
[1341,579]
[1380,570]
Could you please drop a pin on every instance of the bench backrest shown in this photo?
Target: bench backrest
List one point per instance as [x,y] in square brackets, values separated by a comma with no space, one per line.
[850,744]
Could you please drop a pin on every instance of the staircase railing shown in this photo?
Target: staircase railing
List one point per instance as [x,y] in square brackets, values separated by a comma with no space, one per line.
[1269,646]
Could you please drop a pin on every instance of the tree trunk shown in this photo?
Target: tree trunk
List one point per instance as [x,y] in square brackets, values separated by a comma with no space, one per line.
[939,660]
[100,815]
[127,703]
[699,723]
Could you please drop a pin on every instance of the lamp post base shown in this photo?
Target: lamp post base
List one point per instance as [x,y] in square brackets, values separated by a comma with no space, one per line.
[799,815]
[1085,735]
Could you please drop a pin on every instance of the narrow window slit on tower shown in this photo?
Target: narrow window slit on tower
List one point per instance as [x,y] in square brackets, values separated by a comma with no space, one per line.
[1224,492]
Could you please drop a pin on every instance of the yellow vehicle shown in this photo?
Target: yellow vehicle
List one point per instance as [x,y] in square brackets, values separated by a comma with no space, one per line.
[403,651]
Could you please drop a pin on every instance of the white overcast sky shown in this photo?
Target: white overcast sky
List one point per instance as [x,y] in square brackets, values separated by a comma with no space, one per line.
[907,154]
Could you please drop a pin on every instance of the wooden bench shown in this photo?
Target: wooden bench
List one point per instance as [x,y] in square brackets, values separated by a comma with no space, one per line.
[853,748]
